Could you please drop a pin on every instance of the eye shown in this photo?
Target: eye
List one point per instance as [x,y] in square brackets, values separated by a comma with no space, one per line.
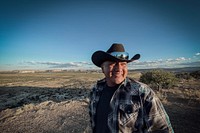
[123,63]
[111,64]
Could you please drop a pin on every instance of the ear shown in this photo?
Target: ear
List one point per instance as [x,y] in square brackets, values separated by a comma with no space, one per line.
[102,68]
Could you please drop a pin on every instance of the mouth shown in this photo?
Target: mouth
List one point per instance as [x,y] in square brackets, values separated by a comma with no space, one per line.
[116,74]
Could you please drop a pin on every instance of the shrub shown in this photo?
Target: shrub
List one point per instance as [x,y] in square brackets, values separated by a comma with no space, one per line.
[195,74]
[184,75]
[159,78]
[188,75]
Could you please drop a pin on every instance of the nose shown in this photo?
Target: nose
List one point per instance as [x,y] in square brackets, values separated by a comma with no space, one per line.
[118,66]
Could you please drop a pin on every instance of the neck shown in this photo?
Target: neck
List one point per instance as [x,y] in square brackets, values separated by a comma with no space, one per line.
[112,84]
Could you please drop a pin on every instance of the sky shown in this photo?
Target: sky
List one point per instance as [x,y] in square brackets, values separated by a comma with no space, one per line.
[63,34]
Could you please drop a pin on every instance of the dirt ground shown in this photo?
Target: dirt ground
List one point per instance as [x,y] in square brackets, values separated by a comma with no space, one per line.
[58,103]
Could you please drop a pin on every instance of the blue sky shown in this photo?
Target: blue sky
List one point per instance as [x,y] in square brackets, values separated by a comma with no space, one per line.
[58,34]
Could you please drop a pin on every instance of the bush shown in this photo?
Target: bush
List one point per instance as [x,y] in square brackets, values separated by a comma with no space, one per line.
[184,75]
[159,78]
[188,75]
[195,74]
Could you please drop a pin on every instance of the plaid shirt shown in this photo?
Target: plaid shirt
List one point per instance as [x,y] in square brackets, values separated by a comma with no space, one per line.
[135,109]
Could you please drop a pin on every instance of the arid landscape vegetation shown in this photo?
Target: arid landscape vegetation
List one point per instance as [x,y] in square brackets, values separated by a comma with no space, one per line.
[57,101]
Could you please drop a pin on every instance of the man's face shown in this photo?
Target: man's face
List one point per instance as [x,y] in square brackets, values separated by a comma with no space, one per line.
[115,72]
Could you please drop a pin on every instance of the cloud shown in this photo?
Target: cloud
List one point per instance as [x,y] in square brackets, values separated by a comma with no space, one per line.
[56,64]
[181,59]
[168,63]
[41,63]
[197,54]
[72,65]
[194,64]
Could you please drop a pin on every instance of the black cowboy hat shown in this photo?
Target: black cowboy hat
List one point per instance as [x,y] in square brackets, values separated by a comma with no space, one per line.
[115,53]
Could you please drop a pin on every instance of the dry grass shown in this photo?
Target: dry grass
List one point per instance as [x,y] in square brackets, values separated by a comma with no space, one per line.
[46,117]
[57,102]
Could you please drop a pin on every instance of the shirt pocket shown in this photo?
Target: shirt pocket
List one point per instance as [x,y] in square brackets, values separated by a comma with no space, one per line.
[128,114]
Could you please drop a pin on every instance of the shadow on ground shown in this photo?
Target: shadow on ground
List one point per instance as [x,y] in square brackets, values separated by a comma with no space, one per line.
[184,114]
[11,97]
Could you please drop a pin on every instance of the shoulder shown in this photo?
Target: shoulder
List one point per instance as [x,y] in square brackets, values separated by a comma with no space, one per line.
[101,81]
[99,84]
[139,86]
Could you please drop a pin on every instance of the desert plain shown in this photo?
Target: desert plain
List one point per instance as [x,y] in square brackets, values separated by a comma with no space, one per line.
[57,102]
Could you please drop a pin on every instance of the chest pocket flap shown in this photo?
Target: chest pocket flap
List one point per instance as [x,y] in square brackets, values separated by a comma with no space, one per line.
[128,112]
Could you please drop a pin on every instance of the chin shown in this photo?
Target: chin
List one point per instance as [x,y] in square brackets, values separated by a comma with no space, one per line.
[118,81]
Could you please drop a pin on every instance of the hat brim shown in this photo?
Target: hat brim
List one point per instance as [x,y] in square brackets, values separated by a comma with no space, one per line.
[100,56]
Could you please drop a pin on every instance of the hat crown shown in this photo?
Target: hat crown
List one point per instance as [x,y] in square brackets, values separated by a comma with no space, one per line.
[116,48]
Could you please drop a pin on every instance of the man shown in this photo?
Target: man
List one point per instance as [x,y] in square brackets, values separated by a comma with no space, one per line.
[119,104]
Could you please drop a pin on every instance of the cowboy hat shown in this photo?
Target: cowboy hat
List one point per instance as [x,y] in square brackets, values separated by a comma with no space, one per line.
[115,53]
